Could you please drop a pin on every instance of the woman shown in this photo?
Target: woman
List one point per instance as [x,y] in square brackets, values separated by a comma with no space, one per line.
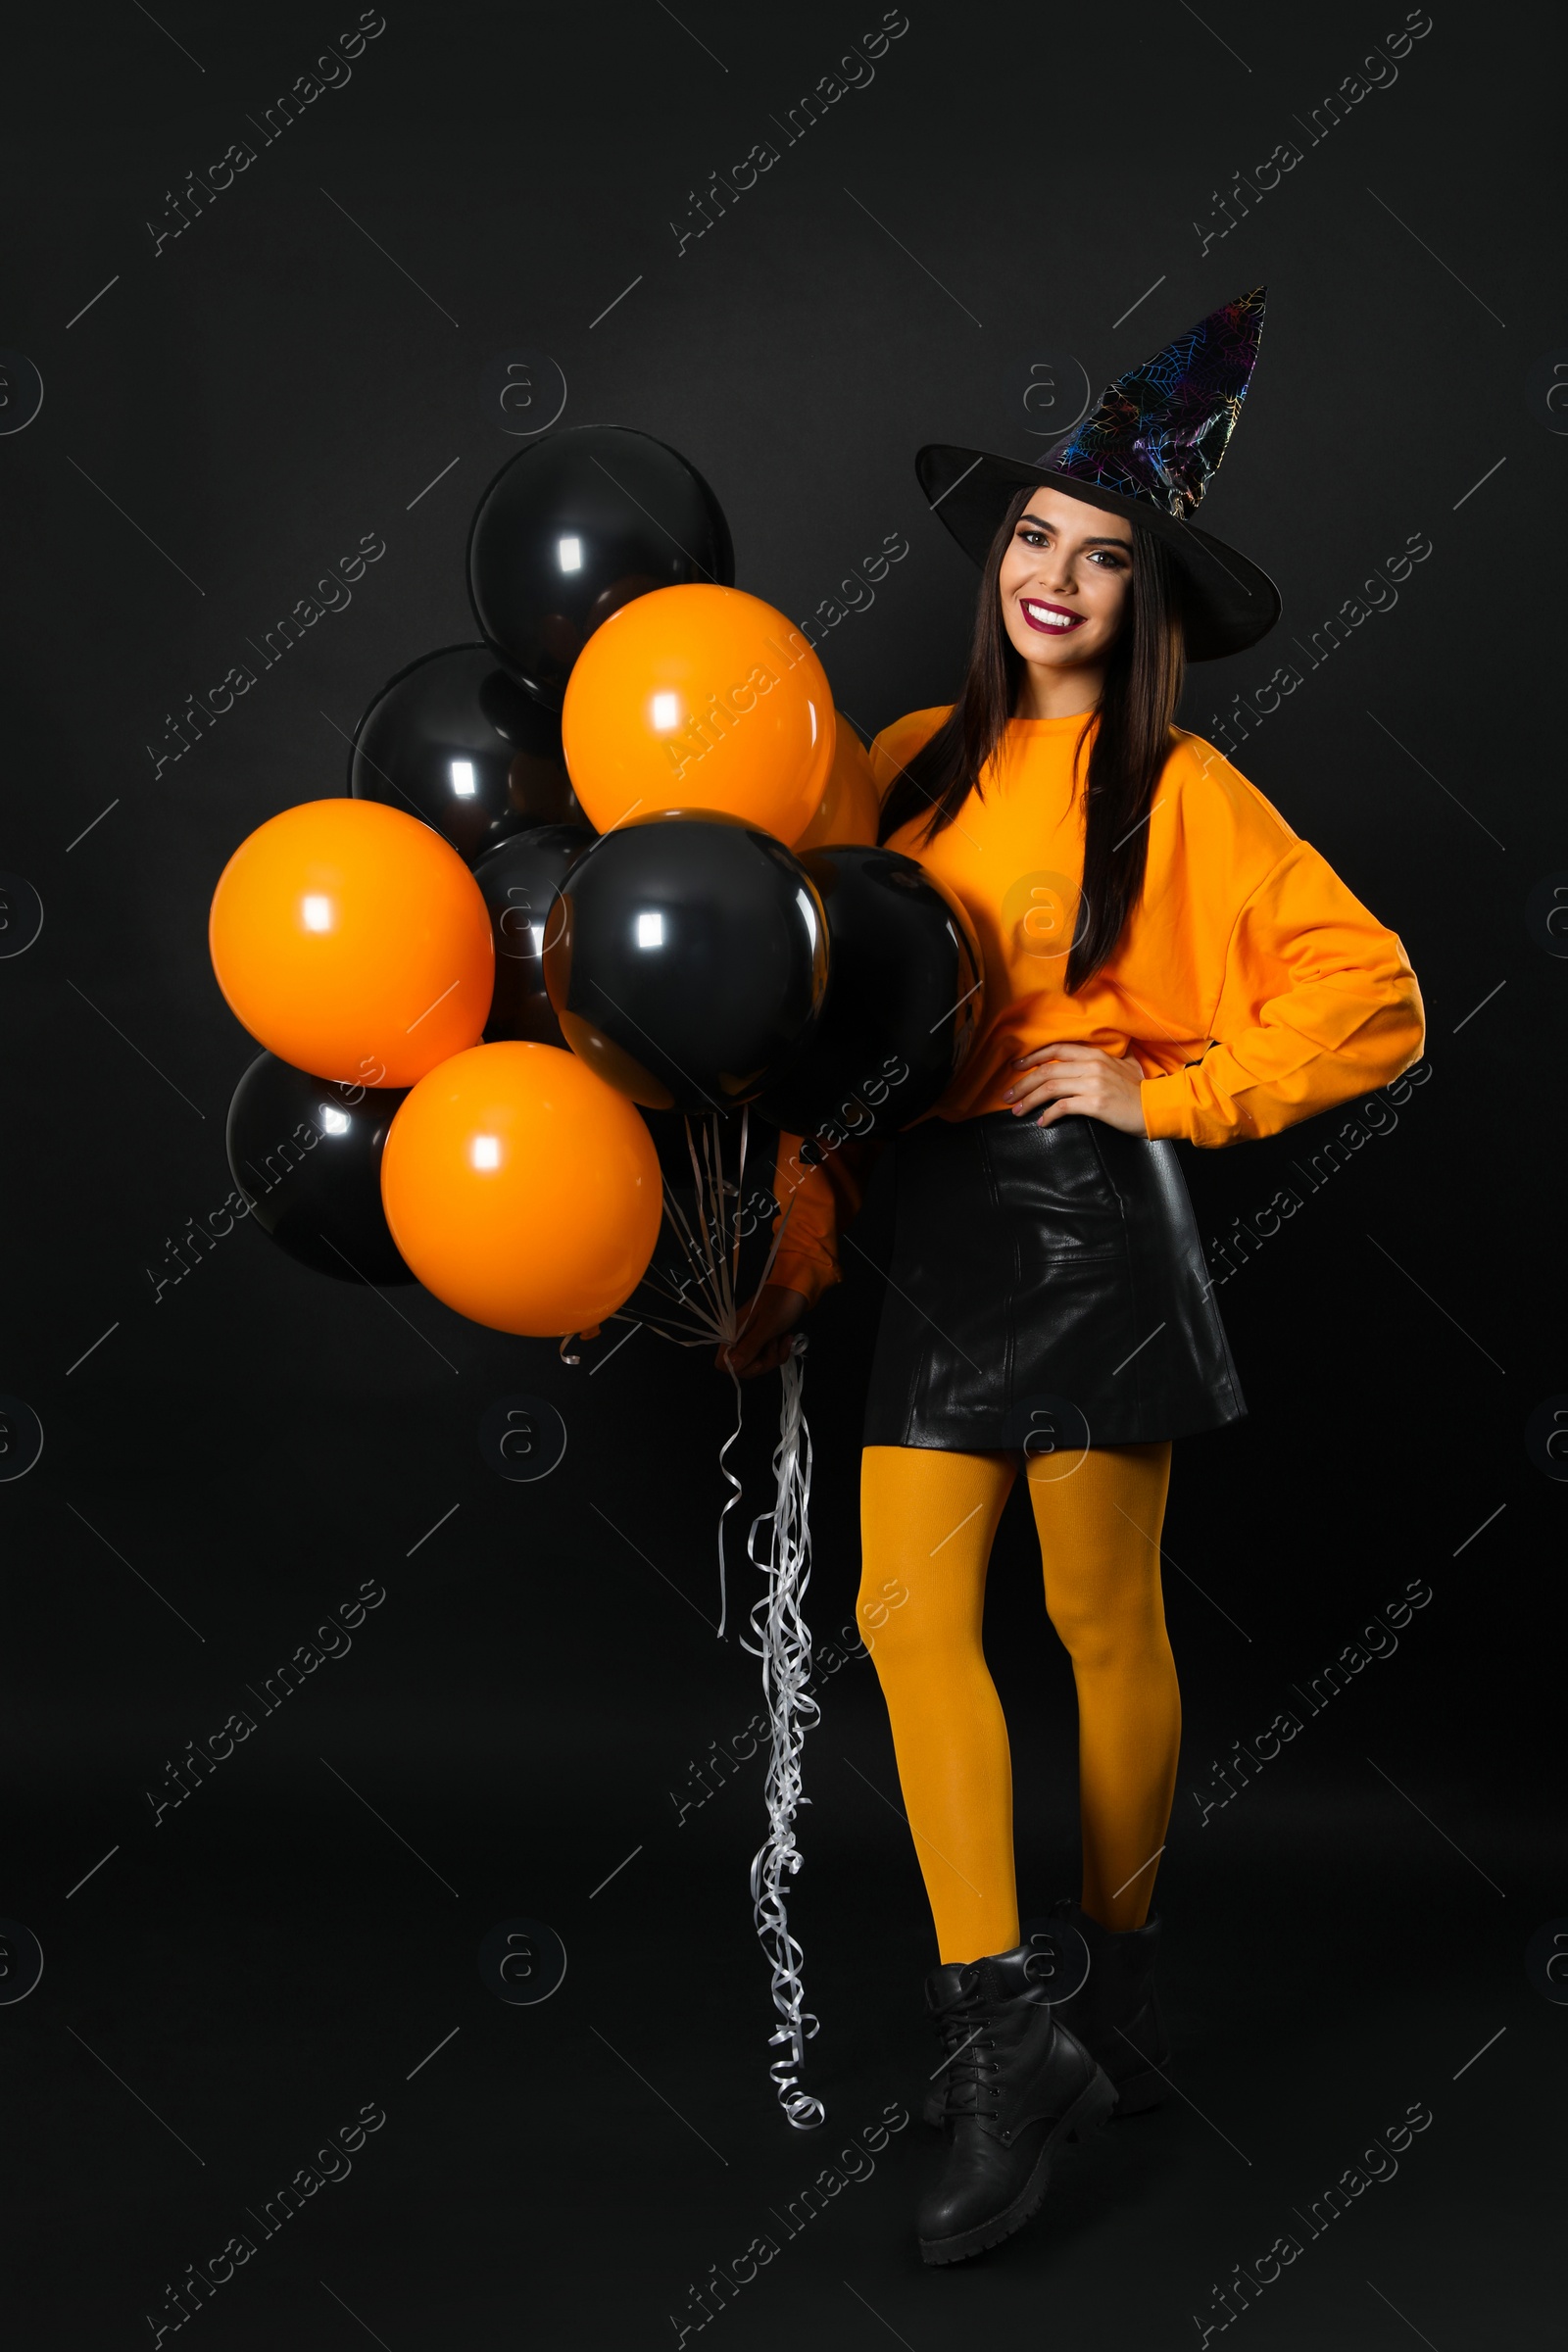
[1163,957]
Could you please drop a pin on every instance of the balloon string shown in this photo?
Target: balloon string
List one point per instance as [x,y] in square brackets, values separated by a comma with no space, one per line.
[706,1296]
[723,1597]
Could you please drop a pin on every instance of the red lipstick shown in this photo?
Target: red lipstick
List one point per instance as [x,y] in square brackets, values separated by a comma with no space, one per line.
[1034,608]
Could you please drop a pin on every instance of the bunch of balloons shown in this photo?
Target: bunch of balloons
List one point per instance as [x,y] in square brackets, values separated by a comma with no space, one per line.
[620,853]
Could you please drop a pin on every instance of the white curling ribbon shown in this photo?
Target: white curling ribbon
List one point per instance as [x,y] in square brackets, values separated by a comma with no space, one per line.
[709,1316]
[784,1646]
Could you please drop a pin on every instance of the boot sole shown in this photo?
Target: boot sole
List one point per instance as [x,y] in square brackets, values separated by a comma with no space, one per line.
[1092,2108]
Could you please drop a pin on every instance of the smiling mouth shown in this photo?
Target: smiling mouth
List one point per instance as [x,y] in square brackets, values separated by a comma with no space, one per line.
[1052,620]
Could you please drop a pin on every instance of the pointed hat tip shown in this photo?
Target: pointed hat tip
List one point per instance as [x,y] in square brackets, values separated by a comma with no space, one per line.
[1162,428]
[1252,305]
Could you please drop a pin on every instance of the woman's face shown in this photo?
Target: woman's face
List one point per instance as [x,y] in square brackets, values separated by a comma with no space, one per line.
[1064,581]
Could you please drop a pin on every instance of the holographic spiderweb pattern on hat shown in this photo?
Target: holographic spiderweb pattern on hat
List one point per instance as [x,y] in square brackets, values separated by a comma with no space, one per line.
[1161,429]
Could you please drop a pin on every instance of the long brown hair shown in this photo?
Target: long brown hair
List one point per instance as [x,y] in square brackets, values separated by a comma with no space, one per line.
[1130,747]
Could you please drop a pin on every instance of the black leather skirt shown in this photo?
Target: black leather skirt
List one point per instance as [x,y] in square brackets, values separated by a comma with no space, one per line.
[1047,1292]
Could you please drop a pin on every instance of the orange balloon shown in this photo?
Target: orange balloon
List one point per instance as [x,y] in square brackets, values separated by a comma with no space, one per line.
[851,806]
[352,941]
[699,698]
[522,1190]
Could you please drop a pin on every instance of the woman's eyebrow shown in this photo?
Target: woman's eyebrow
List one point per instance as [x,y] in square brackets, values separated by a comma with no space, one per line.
[1041,525]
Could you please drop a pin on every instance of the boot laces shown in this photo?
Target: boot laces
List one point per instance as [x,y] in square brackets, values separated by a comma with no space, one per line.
[974,2061]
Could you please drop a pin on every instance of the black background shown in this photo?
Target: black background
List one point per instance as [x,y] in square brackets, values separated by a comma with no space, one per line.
[221,425]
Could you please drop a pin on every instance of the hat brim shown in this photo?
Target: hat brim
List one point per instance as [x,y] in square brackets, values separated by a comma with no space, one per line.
[1228,601]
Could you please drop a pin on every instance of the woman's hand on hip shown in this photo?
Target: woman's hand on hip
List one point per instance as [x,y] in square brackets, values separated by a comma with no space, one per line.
[1074,1080]
[762,1341]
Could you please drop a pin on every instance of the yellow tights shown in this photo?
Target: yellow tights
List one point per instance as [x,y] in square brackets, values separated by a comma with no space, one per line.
[927,1520]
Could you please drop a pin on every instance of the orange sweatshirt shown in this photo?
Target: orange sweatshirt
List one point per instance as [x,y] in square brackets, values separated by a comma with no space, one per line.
[1251,985]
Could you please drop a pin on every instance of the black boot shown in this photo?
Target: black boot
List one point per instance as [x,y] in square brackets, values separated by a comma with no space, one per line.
[1017,2085]
[1057,1965]
[1116,2015]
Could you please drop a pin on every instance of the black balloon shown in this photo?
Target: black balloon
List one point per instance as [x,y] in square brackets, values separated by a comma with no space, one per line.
[454,739]
[689,962]
[307,1154]
[522,881]
[904,1000]
[574,528]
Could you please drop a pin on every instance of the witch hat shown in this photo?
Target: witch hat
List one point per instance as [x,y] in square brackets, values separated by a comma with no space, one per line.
[1149,451]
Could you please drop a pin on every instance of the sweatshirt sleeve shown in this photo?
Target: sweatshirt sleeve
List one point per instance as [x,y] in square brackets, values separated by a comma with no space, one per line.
[815,1203]
[1317,1002]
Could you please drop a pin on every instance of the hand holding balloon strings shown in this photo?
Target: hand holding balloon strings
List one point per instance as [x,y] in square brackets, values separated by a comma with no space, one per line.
[762,1341]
